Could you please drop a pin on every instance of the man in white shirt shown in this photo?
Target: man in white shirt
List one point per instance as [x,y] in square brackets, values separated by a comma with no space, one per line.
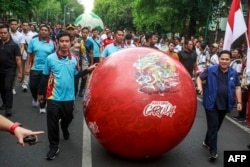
[104,34]
[18,38]
[28,35]
[214,57]
[178,46]
[129,41]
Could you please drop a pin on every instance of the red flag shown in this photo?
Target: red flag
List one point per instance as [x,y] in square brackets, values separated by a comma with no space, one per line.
[248,51]
[236,25]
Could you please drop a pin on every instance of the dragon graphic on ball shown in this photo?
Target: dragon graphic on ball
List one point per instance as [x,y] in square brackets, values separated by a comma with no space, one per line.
[156,74]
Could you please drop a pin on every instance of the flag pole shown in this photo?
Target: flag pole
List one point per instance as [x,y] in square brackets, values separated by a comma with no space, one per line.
[248,55]
[248,22]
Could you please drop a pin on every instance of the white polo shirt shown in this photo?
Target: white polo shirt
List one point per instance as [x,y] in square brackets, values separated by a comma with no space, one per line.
[17,37]
[27,37]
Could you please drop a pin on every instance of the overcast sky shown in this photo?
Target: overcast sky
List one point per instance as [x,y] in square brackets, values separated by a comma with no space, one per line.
[88,5]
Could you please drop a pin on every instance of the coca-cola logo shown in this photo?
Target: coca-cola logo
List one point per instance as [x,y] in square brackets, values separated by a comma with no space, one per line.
[159,109]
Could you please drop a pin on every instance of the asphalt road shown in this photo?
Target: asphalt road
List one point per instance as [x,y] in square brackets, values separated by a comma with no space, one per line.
[82,150]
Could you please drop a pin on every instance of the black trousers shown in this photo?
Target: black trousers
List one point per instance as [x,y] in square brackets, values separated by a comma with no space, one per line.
[35,79]
[6,82]
[96,59]
[214,121]
[244,98]
[58,110]
[83,82]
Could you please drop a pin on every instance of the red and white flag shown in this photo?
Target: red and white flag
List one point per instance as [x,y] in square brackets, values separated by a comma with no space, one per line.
[248,50]
[236,25]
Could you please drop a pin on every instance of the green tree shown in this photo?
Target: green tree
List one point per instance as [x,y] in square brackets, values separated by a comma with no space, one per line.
[115,14]
[38,10]
[182,16]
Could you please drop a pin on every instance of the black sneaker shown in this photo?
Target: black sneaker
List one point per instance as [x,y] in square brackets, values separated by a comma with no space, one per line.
[8,112]
[52,153]
[241,119]
[213,156]
[65,133]
[2,107]
[236,117]
[205,145]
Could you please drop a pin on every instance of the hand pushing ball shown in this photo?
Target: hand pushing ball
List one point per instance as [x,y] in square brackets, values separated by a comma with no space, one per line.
[140,103]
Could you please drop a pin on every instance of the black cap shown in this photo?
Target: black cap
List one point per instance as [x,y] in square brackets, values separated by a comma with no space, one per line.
[70,26]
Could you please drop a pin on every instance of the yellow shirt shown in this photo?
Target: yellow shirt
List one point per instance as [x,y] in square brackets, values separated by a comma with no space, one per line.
[173,55]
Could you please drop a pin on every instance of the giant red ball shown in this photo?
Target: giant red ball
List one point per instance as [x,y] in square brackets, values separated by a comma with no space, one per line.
[140,103]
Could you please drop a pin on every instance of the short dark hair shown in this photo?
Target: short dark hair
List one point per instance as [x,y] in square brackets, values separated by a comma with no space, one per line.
[187,41]
[149,35]
[62,34]
[128,36]
[12,19]
[85,28]
[4,26]
[239,51]
[94,29]
[119,29]
[44,25]
[33,26]
[26,22]
[203,46]
[225,52]
[171,42]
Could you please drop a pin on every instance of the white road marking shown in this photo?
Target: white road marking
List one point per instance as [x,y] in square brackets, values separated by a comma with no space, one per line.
[86,147]
[86,152]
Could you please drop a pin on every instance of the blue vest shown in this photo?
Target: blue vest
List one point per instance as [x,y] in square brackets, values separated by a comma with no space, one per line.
[210,91]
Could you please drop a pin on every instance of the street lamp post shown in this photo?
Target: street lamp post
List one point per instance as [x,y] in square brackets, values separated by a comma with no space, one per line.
[64,13]
[47,13]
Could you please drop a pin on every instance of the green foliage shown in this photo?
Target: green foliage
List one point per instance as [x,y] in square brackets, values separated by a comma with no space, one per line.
[163,16]
[183,16]
[115,14]
[38,10]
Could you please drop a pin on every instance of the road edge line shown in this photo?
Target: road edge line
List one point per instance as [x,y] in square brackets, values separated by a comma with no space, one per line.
[246,129]
[86,146]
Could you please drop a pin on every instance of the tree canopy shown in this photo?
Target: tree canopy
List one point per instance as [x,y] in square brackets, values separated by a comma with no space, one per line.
[39,10]
[182,16]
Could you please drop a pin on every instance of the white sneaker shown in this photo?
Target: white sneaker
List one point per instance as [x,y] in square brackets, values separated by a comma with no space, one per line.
[13,91]
[42,110]
[24,87]
[35,103]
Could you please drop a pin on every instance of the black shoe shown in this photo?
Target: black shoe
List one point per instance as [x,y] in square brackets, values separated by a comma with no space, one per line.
[52,153]
[241,119]
[213,156]
[65,133]
[2,107]
[80,94]
[8,112]
[236,117]
[248,146]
